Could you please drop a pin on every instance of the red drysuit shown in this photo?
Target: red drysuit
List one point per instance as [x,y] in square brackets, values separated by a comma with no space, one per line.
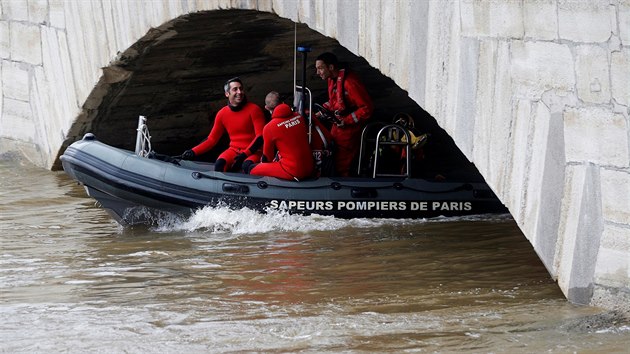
[244,126]
[349,99]
[285,134]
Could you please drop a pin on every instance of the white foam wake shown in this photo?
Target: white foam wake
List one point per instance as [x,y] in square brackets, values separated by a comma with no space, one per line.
[222,219]
[246,221]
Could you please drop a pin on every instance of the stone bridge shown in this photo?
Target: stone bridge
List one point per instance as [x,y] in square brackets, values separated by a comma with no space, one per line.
[535,93]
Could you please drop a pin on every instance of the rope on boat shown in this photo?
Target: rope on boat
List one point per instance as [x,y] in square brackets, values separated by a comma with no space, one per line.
[336,185]
[146,146]
[143,138]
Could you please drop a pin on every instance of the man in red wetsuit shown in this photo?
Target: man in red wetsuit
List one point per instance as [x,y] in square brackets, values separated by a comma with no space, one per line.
[352,107]
[286,152]
[243,122]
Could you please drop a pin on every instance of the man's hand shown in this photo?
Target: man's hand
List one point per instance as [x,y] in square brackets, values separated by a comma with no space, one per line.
[338,119]
[238,161]
[188,155]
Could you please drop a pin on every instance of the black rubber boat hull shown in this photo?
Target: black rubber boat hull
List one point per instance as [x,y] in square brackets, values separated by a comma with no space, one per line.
[131,187]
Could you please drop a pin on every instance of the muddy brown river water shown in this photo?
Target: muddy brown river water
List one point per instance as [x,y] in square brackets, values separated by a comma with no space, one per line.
[73,281]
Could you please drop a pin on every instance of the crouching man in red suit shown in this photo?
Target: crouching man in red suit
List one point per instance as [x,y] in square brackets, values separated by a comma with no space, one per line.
[286,151]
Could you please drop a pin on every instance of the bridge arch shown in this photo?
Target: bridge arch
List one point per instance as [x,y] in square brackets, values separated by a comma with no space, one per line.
[174,75]
[528,90]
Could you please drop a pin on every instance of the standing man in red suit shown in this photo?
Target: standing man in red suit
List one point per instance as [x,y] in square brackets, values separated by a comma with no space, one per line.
[286,152]
[243,122]
[351,105]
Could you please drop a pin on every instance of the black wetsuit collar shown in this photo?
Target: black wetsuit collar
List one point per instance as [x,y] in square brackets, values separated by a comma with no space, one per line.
[239,107]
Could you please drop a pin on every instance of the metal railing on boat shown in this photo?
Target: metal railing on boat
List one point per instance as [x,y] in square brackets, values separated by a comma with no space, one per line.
[388,135]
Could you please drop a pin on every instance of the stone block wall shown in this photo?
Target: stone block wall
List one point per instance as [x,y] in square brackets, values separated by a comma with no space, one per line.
[535,92]
[51,55]
[546,123]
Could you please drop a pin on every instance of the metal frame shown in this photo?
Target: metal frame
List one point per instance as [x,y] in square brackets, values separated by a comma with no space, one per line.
[387,129]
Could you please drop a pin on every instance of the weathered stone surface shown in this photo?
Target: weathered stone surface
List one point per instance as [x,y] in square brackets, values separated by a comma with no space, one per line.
[16,121]
[81,40]
[418,48]
[51,130]
[57,75]
[592,74]
[348,26]
[370,47]
[584,21]
[596,135]
[500,124]
[15,80]
[492,18]
[484,102]
[463,126]
[56,13]
[110,28]
[616,195]
[5,41]
[1,92]
[94,36]
[613,264]
[541,66]
[37,11]
[579,233]
[432,56]
[619,73]
[450,91]
[540,130]
[25,43]
[394,53]
[540,19]
[551,194]
[520,157]
[39,98]
[442,62]
[624,21]
[16,10]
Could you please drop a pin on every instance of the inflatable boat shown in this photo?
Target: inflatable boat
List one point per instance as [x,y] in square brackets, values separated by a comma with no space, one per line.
[135,186]
[125,182]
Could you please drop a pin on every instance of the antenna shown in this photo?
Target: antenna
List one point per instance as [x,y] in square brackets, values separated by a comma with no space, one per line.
[294,61]
[304,50]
